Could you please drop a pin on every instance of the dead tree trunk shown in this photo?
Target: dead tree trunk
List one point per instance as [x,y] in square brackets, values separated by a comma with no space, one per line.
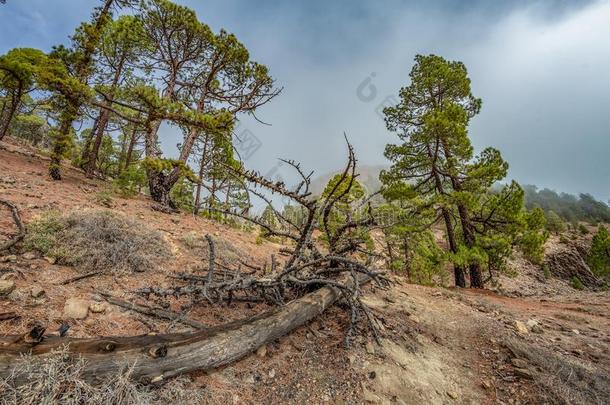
[155,357]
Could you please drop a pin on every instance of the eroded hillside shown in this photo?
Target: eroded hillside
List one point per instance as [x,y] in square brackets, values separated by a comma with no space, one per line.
[548,345]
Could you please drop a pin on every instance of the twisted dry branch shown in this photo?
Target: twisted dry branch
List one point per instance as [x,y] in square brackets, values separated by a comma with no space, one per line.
[20,227]
[307,267]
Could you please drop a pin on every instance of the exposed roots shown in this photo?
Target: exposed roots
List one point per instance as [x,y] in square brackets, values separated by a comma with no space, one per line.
[308,266]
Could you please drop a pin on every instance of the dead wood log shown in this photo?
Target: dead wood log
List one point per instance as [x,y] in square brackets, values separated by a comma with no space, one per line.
[156,357]
[81,277]
[8,315]
[20,227]
[155,312]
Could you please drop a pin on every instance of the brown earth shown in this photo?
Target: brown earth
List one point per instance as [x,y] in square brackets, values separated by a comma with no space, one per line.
[439,346]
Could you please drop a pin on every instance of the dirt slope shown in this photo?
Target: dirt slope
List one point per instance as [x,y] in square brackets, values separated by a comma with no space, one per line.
[440,346]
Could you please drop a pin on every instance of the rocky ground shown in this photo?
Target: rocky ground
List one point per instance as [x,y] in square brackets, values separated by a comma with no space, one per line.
[532,340]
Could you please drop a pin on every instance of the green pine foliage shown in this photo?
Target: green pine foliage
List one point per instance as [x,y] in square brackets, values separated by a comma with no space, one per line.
[570,208]
[435,169]
[599,255]
[554,223]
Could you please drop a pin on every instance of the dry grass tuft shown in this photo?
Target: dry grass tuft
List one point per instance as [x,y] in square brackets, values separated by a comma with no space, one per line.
[226,252]
[98,240]
[561,380]
[58,379]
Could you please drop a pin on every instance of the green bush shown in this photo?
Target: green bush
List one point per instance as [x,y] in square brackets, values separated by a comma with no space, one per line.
[182,195]
[104,198]
[599,254]
[583,229]
[42,233]
[576,283]
[554,223]
[546,271]
[131,181]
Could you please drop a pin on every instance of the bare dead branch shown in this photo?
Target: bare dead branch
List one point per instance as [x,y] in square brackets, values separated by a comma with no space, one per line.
[20,227]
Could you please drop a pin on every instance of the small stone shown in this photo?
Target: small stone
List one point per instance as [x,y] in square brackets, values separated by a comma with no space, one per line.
[390,299]
[261,351]
[76,308]
[351,358]
[97,307]
[414,318]
[91,322]
[520,328]
[524,373]
[370,397]
[452,394]
[576,331]
[37,292]
[50,259]
[531,323]
[272,373]
[11,258]
[519,363]
[486,384]
[370,348]
[6,287]
[537,329]
[250,379]
[29,255]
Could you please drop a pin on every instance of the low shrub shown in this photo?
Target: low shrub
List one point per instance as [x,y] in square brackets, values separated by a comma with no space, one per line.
[576,283]
[546,271]
[58,379]
[97,240]
[104,198]
[583,229]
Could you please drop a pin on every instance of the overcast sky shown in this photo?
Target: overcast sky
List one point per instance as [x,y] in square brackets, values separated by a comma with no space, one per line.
[542,69]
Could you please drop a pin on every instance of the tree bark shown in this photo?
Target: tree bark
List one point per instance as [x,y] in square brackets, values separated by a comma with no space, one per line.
[132,144]
[6,121]
[201,170]
[98,137]
[458,271]
[156,357]
[85,152]
[75,104]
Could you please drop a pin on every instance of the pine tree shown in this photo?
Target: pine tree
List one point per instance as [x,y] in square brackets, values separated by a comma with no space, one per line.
[599,255]
[435,167]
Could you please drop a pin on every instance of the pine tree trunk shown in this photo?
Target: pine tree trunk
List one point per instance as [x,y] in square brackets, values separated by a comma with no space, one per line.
[61,143]
[85,152]
[97,138]
[159,191]
[458,271]
[132,144]
[6,121]
[75,104]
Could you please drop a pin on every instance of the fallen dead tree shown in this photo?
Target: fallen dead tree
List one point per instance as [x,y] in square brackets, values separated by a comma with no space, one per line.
[333,259]
[156,357]
[312,277]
